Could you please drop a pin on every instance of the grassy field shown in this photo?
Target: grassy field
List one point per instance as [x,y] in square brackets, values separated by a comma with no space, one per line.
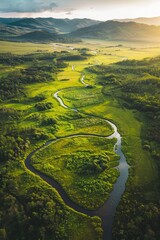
[81,97]
[23,48]
[103,52]
[130,128]
[84,125]
[76,170]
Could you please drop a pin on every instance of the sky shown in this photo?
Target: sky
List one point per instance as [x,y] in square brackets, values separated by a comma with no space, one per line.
[94,9]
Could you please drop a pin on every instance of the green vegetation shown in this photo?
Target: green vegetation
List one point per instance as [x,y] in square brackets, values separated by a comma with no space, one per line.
[43,106]
[70,57]
[134,87]
[79,97]
[119,31]
[23,48]
[86,176]
[127,93]
[82,124]
[50,29]
[40,29]
[31,209]
[37,210]
[20,72]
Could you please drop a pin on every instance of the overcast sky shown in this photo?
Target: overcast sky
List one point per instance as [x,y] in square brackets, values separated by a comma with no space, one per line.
[95,9]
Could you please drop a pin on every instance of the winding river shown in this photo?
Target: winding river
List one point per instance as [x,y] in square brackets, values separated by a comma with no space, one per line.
[108,210]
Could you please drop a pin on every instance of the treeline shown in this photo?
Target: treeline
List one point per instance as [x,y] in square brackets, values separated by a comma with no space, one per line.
[42,68]
[13,59]
[15,141]
[12,84]
[66,56]
[137,219]
[10,59]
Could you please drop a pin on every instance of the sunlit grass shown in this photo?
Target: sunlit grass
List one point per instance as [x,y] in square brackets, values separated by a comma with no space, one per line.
[88,190]
[23,48]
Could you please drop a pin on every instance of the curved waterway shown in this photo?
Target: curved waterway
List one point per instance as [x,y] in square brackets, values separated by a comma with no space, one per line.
[83,82]
[108,210]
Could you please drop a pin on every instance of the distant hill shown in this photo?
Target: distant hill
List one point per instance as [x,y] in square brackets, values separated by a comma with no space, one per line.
[40,36]
[69,25]
[40,29]
[114,30]
[7,31]
[51,29]
[52,24]
[33,24]
[149,21]
[8,20]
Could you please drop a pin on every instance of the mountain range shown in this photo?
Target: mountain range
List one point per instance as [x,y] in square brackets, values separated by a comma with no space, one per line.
[52,25]
[36,29]
[51,29]
[150,21]
[119,31]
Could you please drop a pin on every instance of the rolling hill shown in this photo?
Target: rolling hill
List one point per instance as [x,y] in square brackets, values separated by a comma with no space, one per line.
[40,29]
[149,21]
[51,24]
[51,29]
[8,20]
[120,31]
[39,36]
[42,36]
[10,31]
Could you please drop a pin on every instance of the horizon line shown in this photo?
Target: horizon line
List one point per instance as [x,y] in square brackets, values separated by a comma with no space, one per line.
[109,19]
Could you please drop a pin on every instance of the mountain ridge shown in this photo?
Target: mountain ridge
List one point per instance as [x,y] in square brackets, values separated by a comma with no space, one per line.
[50,24]
[76,28]
[150,21]
[120,31]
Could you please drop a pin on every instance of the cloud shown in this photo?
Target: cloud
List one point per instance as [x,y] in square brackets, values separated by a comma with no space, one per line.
[71,7]
[68,13]
[92,3]
[19,6]
[96,9]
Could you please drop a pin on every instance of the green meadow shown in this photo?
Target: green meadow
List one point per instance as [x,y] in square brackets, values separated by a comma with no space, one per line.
[83,166]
